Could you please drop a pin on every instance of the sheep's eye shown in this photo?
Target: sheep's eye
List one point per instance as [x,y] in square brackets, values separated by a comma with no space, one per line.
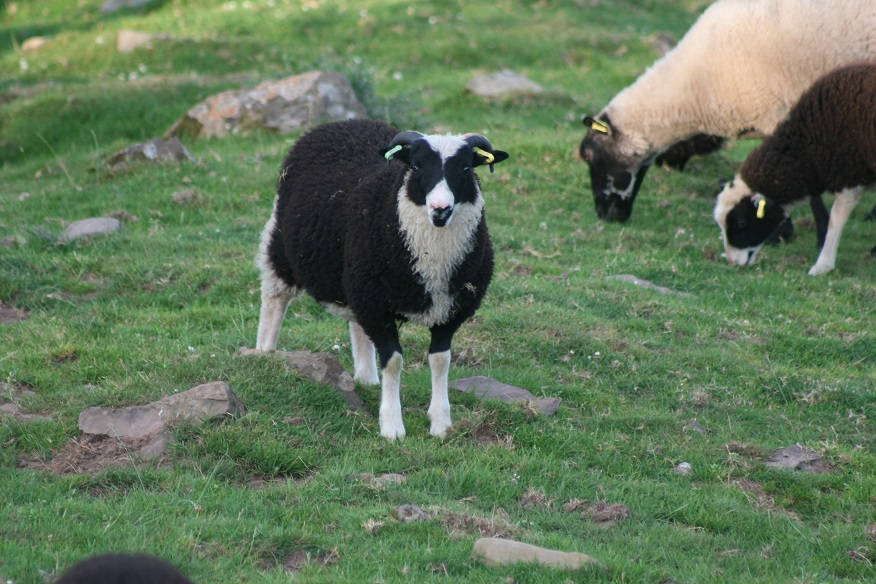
[415,168]
[466,169]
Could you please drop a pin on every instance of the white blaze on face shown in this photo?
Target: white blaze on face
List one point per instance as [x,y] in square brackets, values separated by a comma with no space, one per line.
[729,198]
[440,199]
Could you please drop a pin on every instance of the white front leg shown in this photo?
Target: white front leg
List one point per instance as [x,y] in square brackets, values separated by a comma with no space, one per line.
[391,425]
[439,408]
[364,359]
[842,207]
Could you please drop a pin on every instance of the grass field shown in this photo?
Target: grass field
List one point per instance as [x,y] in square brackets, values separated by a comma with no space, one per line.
[762,358]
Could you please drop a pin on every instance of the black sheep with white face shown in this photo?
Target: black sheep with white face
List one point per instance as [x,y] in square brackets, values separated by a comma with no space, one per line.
[827,144]
[381,226]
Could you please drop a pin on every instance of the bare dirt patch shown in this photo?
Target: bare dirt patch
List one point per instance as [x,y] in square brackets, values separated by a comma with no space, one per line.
[535,498]
[298,559]
[601,513]
[11,314]
[89,454]
[459,525]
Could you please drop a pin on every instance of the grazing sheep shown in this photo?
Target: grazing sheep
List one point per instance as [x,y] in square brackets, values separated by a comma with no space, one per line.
[828,143]
[115,568]
[381,227]
[736,73]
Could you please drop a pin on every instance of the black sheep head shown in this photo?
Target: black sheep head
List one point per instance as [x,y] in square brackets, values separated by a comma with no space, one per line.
[615,176]
[747,220]
[441,176]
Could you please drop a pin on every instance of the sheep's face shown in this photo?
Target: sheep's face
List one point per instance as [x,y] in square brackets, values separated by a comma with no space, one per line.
[442,176]
[747,220]
[616,169]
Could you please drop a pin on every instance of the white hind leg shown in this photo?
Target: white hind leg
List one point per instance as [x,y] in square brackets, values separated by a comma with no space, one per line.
[274,305]
[842,207]
[364,358]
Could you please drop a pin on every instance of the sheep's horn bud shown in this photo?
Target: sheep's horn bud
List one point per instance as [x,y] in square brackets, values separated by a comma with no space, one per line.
[404,139]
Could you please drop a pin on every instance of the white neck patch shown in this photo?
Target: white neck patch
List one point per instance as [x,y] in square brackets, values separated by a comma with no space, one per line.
[437,251]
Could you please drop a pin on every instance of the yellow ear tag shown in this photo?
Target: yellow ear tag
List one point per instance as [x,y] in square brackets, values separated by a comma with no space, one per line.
[761,207]
[488,158]
[600,127]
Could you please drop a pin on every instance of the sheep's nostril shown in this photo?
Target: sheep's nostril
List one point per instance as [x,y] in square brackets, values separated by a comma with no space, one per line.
[441,216]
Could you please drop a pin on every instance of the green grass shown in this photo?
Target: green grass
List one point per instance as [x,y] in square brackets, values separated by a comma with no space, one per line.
[763,358]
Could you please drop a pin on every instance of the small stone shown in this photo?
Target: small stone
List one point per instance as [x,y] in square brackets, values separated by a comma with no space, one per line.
[693,426]
[90,228]
[646,284]
[494,551]
[113,5]
[684,468]
[33,43]
[155,150]
[410,513]
[486,388]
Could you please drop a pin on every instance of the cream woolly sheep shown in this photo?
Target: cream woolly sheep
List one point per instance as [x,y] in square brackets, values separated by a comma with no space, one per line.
[828,143]
[377,243]
[736,73]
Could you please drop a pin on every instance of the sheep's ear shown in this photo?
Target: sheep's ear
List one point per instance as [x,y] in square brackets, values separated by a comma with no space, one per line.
[398,152]
[483,151]
[492,157]
[597,125]
[400,146]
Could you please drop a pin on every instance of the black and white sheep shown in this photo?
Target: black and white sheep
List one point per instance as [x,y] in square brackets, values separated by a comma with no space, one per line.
[380,227]
[736,73]
[828,143]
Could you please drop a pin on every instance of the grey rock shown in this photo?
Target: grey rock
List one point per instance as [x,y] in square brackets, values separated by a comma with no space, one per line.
[323,368]
[379,482]
[92,227]
[150,423]
[486,388]
[684,468]
[155,150]
[410,513]
[494,551]
[282,106]
[503,84]
[646,284]
[14,411]
[113,5]
[797,457]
